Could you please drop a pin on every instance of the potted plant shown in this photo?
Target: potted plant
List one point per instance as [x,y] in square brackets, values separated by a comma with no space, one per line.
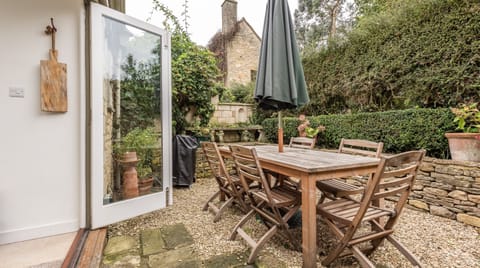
[201,133]
[143,142]
[465,145]
[145,181]
[304,129]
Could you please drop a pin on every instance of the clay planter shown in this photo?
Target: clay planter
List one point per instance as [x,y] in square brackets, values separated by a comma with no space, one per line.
[145,185]
[464,146]
[130,180]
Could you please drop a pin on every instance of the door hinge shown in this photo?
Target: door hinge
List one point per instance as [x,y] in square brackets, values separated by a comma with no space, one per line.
[167,196]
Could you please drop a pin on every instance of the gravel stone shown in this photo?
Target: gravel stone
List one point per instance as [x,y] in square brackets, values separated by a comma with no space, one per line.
[436,241]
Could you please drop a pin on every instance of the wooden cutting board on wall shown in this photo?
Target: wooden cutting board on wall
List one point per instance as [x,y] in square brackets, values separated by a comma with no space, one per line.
[53,84]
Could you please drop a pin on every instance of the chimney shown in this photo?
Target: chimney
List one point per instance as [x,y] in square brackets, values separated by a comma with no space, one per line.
[229,15]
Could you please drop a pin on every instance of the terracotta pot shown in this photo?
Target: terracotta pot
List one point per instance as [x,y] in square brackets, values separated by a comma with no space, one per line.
[145,185]
[128,159]
[130,182]
[464,146]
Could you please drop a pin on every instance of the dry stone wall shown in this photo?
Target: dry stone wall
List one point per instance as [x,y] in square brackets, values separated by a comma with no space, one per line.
[449,189]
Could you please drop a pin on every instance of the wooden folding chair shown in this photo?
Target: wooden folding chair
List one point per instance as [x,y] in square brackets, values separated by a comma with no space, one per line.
[274,205]
[393,178]
[335,188]
[229,186]
[302,142]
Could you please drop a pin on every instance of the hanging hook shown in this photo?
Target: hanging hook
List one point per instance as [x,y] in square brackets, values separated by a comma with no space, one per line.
[51,30]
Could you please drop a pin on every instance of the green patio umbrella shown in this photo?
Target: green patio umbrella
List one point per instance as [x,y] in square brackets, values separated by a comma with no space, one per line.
[280,80]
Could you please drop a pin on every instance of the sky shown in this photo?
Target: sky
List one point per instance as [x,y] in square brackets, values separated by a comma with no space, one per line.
[205,15]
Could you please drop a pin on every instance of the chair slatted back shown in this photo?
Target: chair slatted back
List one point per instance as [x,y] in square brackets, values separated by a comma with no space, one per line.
[229,189]
[215,161]
[217,165]
[249,168]
[394,177]
[302,142]
[397,180]
[361,147]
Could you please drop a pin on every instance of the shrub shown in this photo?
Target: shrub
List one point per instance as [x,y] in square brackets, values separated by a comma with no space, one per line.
[242,93]
[418,54]
[400,130]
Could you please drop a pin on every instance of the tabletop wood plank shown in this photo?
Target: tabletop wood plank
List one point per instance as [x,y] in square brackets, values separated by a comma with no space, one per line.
[311,161]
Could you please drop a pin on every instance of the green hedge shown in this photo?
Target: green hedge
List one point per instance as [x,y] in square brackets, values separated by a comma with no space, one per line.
[400,130]
[419,54]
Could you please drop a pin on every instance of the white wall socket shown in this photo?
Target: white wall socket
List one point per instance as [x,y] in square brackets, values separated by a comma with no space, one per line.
[16,92]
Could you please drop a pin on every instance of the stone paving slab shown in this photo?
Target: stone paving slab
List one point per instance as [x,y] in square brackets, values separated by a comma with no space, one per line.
[119,245]
[122,261]
[152,242]
[180,257]
[227,260]
[172,246]
[121,251]
[176,236]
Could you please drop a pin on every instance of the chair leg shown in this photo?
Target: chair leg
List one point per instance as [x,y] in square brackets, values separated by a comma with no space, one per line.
[284,225]
[259,245]
[225,205]
[409,255]
[322,198]
[241,201]
[362,259]
[241,223]
[205,207]
[333,255]
[243,205]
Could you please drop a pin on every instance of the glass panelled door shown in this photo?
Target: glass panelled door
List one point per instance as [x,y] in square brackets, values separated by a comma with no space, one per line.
[130,117]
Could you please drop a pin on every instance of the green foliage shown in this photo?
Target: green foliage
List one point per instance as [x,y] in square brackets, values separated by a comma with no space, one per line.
[138,100]
[143,141]
[194,75]
[372,7]
[415,54]
[467,118]
[242,93]
[311,132]
[400,130]
[313,21]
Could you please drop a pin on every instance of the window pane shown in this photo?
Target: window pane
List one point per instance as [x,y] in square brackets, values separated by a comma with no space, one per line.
[131,111]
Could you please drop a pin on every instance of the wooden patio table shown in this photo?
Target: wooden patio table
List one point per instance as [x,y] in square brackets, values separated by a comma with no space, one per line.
[310,166]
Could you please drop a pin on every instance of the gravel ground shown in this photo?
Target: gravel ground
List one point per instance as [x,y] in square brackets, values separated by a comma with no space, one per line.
[438,242]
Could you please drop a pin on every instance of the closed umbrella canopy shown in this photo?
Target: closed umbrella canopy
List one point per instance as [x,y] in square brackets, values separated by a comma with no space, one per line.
[280,79]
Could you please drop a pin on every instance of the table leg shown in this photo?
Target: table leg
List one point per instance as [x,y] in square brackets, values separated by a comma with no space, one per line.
[309,222]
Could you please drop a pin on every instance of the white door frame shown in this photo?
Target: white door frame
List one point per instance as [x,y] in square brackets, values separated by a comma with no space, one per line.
[102,215]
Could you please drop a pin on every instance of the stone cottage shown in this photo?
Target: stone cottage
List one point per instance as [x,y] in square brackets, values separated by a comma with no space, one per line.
[237,46]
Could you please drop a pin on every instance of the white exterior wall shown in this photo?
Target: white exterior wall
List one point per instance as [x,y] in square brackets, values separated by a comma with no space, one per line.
[42,155]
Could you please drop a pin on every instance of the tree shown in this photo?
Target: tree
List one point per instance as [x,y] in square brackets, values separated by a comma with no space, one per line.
[194,74]
[370,7]
[138,98]
[318,21]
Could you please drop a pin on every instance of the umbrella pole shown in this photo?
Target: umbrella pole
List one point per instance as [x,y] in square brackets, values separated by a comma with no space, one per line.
[280,132]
